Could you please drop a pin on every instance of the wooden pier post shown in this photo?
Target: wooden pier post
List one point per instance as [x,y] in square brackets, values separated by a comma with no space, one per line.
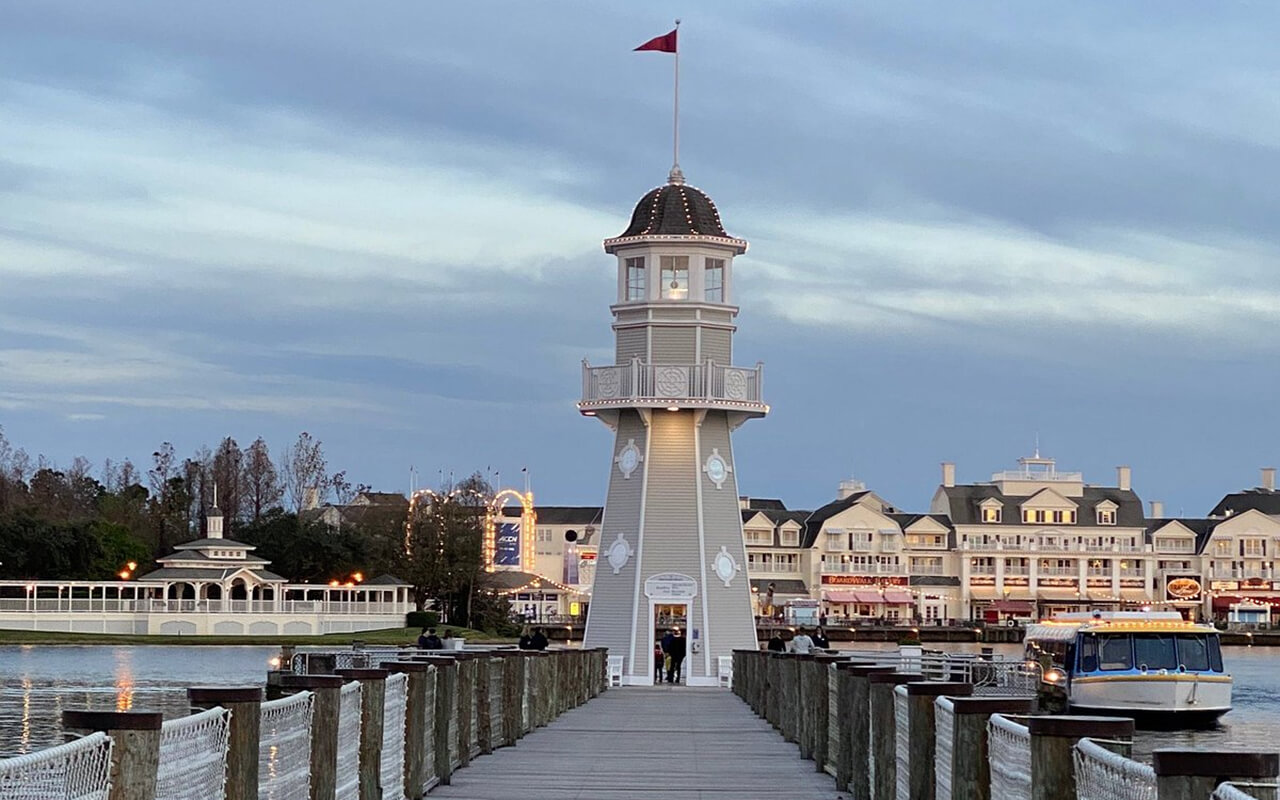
[773,690]
[922,739]
[1194,774]
[853,762]
[327,691]
[373,698]
[1053,738]
[418,725]
[970,769]
[135,748]
[822,670]
[884,784]
[245,733]
[446,709]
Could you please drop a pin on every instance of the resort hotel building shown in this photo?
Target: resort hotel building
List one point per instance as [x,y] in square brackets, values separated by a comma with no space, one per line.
[1029,542]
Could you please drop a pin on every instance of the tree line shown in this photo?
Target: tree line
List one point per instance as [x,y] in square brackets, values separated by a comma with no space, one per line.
[72,523]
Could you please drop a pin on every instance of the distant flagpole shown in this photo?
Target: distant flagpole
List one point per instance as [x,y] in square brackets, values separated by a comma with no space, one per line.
[675,119]
[669,43]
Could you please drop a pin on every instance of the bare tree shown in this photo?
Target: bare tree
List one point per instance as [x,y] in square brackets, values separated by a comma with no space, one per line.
[304,470]
[259,483]
[225,473]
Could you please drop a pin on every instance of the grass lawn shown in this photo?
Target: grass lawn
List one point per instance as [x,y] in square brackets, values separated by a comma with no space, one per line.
[386,636]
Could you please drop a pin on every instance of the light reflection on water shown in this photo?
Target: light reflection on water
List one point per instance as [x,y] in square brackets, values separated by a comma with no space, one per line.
[37,682]
[1252,724]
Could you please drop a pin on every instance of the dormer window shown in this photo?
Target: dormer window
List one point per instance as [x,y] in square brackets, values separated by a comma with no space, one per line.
[675,277]
[635,278]
[992,514]
[1106,516]
[713,288]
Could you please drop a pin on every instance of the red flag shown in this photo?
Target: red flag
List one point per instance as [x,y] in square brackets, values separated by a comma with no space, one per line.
[665,43]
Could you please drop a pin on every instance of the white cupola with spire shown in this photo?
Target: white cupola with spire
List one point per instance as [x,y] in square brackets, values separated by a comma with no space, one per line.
[213,518]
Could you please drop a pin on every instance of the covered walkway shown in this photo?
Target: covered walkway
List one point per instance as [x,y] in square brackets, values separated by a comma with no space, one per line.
[634,743]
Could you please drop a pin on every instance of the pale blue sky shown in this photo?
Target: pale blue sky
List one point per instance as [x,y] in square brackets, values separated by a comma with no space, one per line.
[381,223]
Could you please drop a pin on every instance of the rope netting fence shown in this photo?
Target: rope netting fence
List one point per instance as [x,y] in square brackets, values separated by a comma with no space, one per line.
[902,743]
[1009,755]
[1243,791]
[77,770]
[349,742]
[944,726]
[193,756]
[393,735]
[1104,775]
[284,753]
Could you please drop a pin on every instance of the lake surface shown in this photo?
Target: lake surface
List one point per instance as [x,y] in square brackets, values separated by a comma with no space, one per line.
[38,682]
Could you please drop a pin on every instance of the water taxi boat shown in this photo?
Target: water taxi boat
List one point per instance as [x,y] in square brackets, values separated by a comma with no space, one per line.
[1153,666]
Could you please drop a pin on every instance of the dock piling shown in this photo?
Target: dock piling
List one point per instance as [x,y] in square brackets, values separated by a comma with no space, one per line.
[135,748]
[1194,774]
[244,734]
[1053,739]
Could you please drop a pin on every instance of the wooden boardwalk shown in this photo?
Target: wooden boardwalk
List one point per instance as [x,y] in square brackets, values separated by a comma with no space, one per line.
[674,743]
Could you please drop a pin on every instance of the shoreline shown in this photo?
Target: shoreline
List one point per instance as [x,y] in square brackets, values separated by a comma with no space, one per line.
[387,636]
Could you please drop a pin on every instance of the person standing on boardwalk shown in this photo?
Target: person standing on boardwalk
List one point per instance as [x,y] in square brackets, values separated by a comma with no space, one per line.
[801,643]
[526,639]
[776,645]
[539,640]
[820,639]
[675,651]
[658,662]
[427,640]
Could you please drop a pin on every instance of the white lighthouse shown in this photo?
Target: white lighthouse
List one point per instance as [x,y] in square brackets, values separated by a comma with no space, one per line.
[671,551]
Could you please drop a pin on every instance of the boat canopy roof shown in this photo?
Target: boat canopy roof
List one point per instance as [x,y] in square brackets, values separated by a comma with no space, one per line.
[1063,627]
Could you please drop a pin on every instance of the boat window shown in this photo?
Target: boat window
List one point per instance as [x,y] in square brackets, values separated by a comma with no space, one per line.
[1115,652]
[1155,651]
[1215,654]
[1193,653]
[1088,654]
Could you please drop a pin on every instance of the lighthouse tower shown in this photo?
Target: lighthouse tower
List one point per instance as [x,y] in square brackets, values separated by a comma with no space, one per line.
[671,552]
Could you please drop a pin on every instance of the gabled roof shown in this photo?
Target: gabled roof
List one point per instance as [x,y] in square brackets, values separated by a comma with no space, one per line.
[386,580]
[761,503]
[1201,527]
[1265,500]
[964,502]
[813,523]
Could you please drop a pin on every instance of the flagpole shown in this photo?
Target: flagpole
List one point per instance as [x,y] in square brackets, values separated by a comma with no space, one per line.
[675,117]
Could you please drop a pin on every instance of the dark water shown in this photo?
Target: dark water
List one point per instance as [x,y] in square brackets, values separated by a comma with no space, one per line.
[1252,724]
[39,682]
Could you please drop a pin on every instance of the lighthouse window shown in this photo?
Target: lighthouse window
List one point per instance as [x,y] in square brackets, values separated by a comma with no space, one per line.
[715,280]
[635,278]
[675,277]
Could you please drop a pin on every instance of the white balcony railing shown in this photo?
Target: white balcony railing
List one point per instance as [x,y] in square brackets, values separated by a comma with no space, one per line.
[696,385]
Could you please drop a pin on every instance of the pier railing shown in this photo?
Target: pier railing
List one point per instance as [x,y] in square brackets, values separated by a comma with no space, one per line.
[391,732]
[887,734]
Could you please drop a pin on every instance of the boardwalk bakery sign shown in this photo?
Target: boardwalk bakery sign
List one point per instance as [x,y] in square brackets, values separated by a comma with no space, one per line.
[1182,589]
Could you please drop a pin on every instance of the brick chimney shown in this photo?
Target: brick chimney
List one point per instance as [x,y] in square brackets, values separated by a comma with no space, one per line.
[948,473]
[1269,478]
[1157,509]
[1124,479]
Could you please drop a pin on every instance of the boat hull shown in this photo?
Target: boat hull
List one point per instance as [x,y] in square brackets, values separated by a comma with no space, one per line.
[1170,701]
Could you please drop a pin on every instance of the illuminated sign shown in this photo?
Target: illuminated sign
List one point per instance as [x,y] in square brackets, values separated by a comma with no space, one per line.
[1184,588]
[1058,583]
[507,545]
[982,580]
[864,580]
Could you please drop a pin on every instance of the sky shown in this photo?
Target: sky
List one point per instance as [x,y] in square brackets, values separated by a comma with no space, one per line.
[972,226]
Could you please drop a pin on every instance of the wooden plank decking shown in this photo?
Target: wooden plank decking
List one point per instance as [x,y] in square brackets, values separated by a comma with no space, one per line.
[673,743]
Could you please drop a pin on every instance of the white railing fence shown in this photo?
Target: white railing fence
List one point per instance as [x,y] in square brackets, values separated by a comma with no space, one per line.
[393,711]
[1243,791]
[1104,775]
[998,676]
[193,756]
[349,742]
[1009,754]
[284,752]
[902,743]
[78,770]
[944,718]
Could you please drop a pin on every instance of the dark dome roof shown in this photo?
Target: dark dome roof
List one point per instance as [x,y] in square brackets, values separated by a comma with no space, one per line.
[675,209]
